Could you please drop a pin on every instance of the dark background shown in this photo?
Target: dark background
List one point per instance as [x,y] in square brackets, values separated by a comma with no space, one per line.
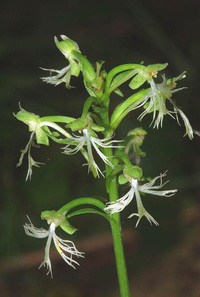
[162,261]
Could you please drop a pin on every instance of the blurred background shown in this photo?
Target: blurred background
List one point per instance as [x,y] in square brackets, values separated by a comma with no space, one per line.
[162,261]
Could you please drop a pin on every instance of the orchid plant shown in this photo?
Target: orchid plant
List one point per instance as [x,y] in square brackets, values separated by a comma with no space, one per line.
[93,135]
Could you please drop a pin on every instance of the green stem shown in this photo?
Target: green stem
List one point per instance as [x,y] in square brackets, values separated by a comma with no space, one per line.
[58,119]
[56,127]
[81,201]
[90,211]
[117,237]
[118,245]
[87,69]
[87,105]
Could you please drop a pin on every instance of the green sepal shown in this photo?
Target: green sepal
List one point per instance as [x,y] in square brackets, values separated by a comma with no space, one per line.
[67,227]
[97,128]
[74,69]
[122,179]
[32,120]
[137,81]
[92,133]
[67,79]
[26,116]
[155,67]
[59,219]
[145,75]
[52,216]
[133,172]
[66,46]
[78,124]
[41,136]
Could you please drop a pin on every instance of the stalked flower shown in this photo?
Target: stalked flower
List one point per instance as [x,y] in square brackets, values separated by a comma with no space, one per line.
[40,134]
[155,102]
[65,248]
[90,141]
[148,188]
[167,87]
[67,48]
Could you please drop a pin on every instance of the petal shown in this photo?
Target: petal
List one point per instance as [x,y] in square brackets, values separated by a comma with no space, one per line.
[121,203]
[69,248]
[32,231]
